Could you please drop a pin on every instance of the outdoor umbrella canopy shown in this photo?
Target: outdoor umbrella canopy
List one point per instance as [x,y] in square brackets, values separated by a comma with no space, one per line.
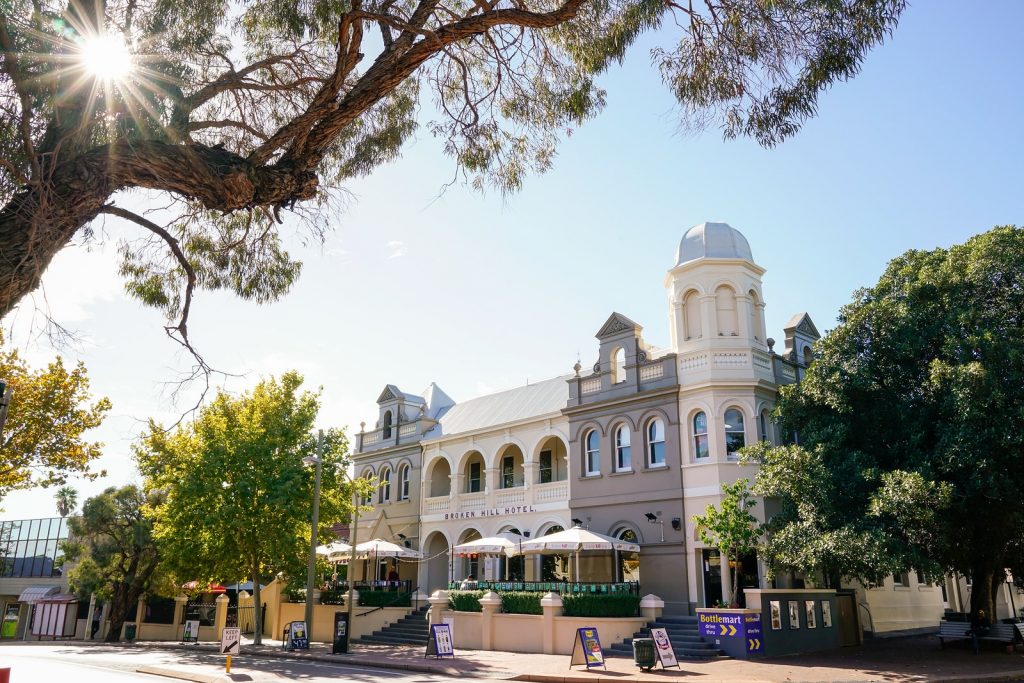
[333,548]
[505,543]
[375,548]
[573,541]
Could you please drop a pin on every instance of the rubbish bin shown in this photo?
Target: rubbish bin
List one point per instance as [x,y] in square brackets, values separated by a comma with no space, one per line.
[643,653]
[129,632]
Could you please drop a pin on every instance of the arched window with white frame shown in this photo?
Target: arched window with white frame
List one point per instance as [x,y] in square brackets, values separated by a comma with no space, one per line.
[591,454]
[700,436]
[384,489]
[735,436]
[403,482]
[656,443]
[623,452]
[367,475]
[618,364]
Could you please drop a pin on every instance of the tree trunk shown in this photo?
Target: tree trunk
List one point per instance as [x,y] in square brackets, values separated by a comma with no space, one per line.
[40,221]
[982,595]
[257,638]
[736,583]
[122,606]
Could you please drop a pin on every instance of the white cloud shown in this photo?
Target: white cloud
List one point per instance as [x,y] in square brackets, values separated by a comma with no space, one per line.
[398,249]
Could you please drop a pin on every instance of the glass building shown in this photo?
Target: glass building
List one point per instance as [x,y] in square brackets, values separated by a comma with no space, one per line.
[31,547]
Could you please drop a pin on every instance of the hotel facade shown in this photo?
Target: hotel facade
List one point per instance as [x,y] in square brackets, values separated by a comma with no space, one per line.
[632,446]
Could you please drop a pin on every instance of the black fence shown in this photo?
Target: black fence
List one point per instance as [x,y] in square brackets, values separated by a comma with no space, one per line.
[203,612]
[159,611]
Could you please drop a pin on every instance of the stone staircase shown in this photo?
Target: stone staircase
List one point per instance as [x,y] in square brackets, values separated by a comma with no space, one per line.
[409,630]
[682,633]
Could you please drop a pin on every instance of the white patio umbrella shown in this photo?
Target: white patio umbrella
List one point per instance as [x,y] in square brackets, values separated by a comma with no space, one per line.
[573,541]
[378,547]
[332,549]
[506,543]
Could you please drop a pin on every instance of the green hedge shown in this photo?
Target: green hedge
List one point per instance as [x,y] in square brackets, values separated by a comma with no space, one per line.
[465,601]
[332,597]
[518,602]
[384,599]
[589,605]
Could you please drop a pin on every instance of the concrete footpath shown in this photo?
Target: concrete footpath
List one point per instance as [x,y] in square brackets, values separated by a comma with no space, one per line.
[906,660]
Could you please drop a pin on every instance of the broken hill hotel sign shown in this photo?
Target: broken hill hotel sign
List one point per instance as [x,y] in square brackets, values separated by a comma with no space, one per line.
[736,631]
[491,512]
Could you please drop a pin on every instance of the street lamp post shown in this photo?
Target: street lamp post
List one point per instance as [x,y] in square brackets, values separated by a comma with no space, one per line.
[353,539]
[317,461]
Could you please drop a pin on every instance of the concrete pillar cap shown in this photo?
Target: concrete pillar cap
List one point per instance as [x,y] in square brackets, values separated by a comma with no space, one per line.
[551,599]
[439,596]
[651,600]
[490,598]
[181,598]
[222,598]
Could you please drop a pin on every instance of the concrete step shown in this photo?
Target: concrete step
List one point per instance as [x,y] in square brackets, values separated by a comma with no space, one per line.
[384,639]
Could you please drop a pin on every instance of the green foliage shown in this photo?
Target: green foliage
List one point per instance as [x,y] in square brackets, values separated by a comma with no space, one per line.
[279,103]
[384,599]
[910,424]
[730,527]
[521,602]
[116,557]
[238,497]
[591,605]
[332,597]
[42,441]
[465,601]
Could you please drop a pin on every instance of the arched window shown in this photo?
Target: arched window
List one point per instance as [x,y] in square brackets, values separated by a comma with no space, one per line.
[387,425]
[756,317]
[691,306]
[384,492]
[762,425]
[368,497]
[623,453]
[655,443]
[735,438]
[618,365]
[808,356]
[403,482]
[725,307]
[700,435]
[629,563]
[592,453]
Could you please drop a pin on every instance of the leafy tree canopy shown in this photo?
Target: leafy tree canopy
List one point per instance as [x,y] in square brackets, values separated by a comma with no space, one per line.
[115,557]
[42,441]
[731,527]
[241,110]
[237,497]
[911,425]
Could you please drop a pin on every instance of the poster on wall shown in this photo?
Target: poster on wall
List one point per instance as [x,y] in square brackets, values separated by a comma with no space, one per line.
[663,646]
[586,648]
[794,614]
[809,609]
[826,614]
[776,609]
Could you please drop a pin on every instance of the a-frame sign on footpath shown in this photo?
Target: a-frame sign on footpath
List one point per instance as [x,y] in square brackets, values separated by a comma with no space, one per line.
[440,642]
[663,646]
[586,649]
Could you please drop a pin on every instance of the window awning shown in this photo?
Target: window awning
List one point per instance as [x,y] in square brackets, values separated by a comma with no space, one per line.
[36,593]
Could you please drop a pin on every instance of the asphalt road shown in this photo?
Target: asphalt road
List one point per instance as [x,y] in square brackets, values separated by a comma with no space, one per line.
[68,663]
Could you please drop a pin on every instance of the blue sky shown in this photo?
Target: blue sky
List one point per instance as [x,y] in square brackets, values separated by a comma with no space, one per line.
[481,293]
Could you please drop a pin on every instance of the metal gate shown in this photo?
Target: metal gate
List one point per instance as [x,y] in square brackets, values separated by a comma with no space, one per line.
[243,617]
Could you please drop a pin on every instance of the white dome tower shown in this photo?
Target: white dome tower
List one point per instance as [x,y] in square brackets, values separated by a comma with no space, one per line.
[714,292]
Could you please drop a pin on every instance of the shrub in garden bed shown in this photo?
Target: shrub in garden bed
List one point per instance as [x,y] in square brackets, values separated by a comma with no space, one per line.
[465,601]
[518,602]
[590,605]
[384,599]
[332,597]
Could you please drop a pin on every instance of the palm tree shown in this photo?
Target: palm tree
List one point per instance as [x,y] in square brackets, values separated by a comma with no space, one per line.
[67,500]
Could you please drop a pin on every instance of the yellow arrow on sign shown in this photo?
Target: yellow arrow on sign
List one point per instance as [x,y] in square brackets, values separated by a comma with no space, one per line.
[732,630]
[755,644]
[724,630]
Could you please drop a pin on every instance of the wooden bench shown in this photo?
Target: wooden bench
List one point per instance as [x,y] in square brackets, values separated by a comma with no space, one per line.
[1007,634]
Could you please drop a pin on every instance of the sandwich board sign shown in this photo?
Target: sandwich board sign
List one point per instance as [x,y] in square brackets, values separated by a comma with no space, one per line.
[440,642]
[586,648]
[231,641]
[298,637]
[663,646]
[191,632]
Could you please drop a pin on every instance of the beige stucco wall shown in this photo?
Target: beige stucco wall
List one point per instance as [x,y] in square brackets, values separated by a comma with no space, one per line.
[322,629]
[889,607]
[525,632]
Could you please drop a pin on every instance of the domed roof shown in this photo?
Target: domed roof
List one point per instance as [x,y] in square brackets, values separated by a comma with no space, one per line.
[713,240]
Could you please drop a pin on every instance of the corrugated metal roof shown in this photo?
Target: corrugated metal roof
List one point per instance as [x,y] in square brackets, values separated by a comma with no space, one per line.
[36,593]
[514,405]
